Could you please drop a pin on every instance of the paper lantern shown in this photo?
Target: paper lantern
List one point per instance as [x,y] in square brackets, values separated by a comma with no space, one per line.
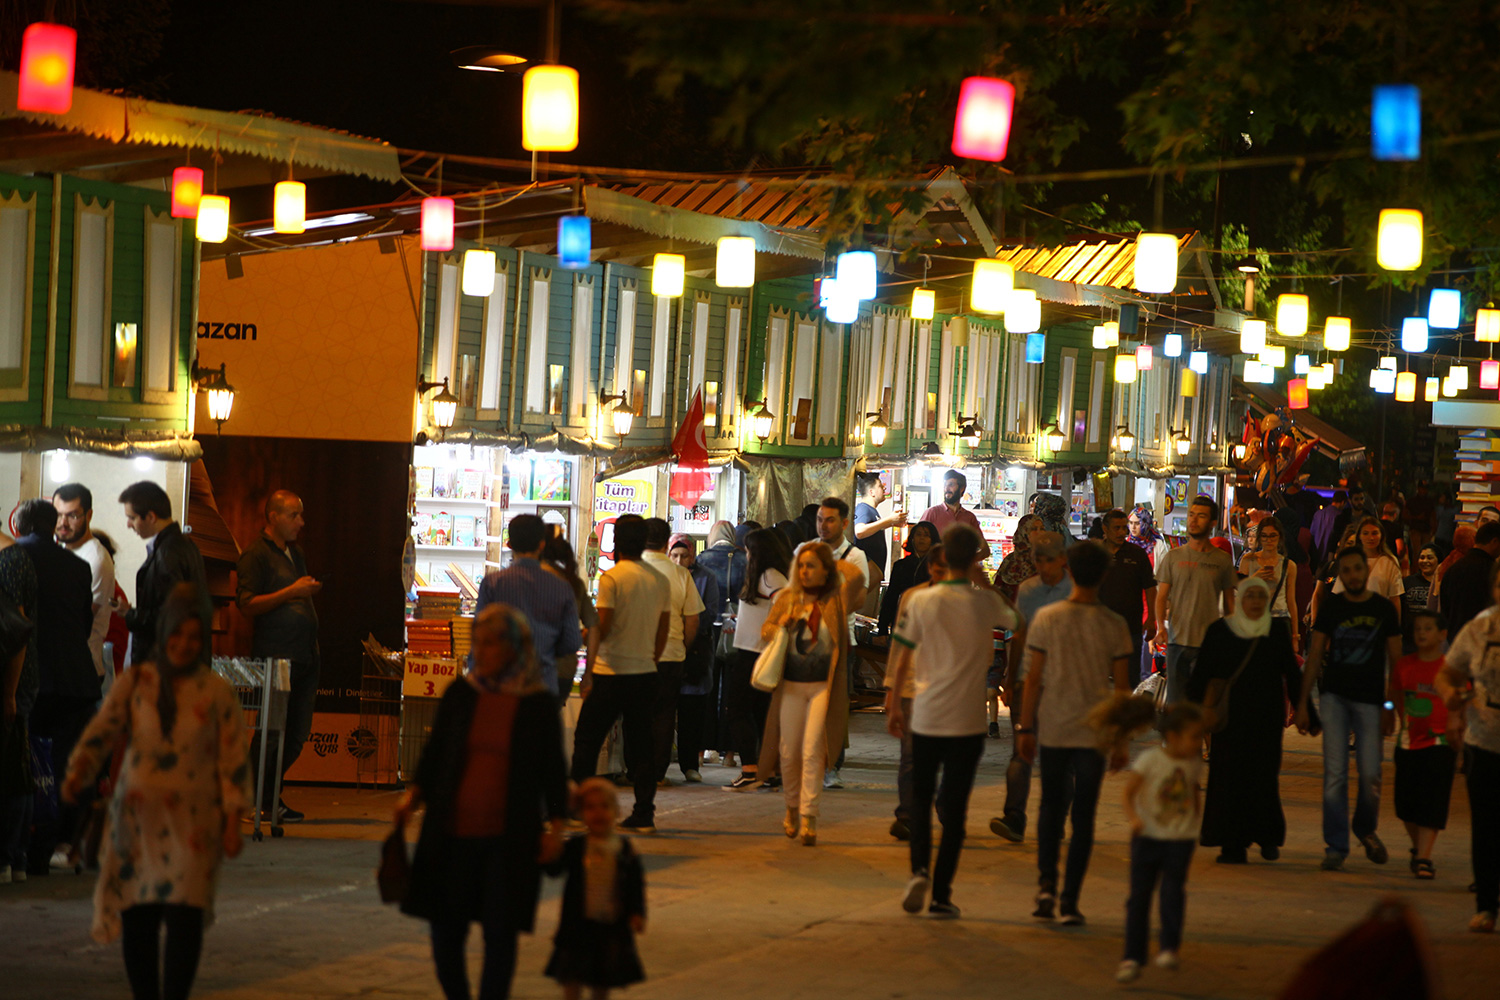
[1291,315]
[958,331]
[1487,326]
[1023,313]
[187,189]
[1296,394]
[1336,333]
[668,274]
[1396,122]
[549,109]
[1388,363]
[1036,348]
[1100,340]
[1406,387]
[994,280]
[1125,368]
[1171,345]
[1328,372]
[1187,384]
[1398,244]
[1251,371]
[575,241]
[923,303]
[479,273]
[855,270]
[981,129]
[1143,360]
[213,218]
[1301,364]
[1273,355]
[48,57]
[1444,307]
[1489,375]
[1383,380]
[1155,262]
[840,306]
[1252,336]
[734,265]
[1430,389]
[1460,375]
[1198,362]
[290,208]
[1414,335]
[437,224]
[1106,335]
[1450,387]
[1315,378]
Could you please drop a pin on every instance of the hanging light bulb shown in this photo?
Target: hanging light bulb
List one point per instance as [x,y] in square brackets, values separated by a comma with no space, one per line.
[575,241]
[1023,313]
[735,262]
[1291,315]
[1036,348]
[1300,364]
[1430,389]
[668,275]
[1444,307]
[49,54]
[479,273]
[1414,335]
[290,211]
[1155,262]
[981,129]
[1296,393]
[1398,242]
[1252,336]
[1125,368]
[213,219]
[1336,333]
[1143,359]
[1489,375]
[437,224]
[187,190]
[1198,362]
[1406,387]
[923,303]
[993,282]
[1487,326]
[1171,345]
[855,270]
[1459,373]
[549,109]
[1188,383]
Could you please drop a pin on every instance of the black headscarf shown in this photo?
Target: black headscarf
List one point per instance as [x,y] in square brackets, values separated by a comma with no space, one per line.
[184,603]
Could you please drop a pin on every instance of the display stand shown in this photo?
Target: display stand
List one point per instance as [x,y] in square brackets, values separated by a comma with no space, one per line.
[263,687]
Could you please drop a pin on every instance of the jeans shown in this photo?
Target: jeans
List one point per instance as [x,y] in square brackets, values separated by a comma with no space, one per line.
[804,743]
[904,768]
[746,707]
[156,973]
[1150,860]
[1483,778]
[958,756]
[1071,777]
[664,715]
[300,703]
[630,697]
[1180,661]
[1017,772]
[1341,717]
[449,938]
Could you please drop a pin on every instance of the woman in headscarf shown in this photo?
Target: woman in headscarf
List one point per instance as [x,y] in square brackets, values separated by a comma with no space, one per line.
[1054,514]
[908,571]
[1250,654]
[1018,567]
[1266,557]
[1143,533]
[723,557]
[492,769]
[176,812]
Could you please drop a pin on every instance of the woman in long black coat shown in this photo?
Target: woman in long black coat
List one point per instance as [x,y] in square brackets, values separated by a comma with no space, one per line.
[1242,805]
[479,858]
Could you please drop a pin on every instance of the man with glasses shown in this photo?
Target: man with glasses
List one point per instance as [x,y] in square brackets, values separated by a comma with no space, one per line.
[75,522]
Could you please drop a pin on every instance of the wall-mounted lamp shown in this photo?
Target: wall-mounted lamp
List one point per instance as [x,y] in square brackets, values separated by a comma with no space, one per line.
[444,405]
[969,431]
[622,416]
[1124,438]
[877,427]
[761,418]
[1055,437]
[1183,443]
[220,393]
[1239,451]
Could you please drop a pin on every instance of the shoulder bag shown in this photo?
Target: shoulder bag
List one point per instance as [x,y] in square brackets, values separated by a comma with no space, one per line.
[770,663]
[1216,698]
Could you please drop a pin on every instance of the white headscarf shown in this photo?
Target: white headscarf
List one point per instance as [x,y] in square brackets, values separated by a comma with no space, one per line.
[1242,624]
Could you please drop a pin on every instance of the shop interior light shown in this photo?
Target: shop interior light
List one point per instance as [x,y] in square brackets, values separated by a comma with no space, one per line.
[220,392]
[734,265]
[1055,438]
[49,56]
[1155,262]
[993,282]
[1459,373]
[1396,122]
[1444,307]
[1252,336]
[1430,388]
[437,224]
[1414,335]
[1336,333]
[1143,358]
[877,427]
[58,469]
[1489,375]
[1296,393]
[575,241]
[1198,362]
[622,417]
[1171,345]
[923,303]
[479,273]
[213,219]
[1125,368]
[1406,387]
[1036,348]
[1301,364]
[549,109]
[981,128]
[1187,383]
[1023,313]
[668,275]
[762,420]
[1124,438]
[1291,315]
[1487,326]
[855,271]
[1398,241]
[187,191]
[290,208]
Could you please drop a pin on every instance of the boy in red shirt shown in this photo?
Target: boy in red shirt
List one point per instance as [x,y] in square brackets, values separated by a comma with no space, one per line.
[1424,756]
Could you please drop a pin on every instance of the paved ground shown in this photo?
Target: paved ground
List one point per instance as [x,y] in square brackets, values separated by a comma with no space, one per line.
[738,911]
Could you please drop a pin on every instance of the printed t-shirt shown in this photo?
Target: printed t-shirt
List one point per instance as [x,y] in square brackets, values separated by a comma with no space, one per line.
[638,596]
[1167,798]
[1197,580]
[1082,643]
[1423,711]
[949,628]
[1354,664]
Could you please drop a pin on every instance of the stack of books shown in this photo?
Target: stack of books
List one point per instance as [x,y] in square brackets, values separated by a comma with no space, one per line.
[428,638]
[1478,479]
[437,605]
[463,633]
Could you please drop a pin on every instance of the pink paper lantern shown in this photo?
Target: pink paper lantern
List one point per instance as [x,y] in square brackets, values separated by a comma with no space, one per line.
[187,191]
[1489,375]
[1143,360]
[437,223]
[981,129]
[48,56]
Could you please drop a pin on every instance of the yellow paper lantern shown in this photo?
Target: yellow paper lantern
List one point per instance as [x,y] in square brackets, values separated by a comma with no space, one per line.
[1406,387]
[1252,336]
[735,264]
[549,109]
[1125,368]
[1315,378]
[1291,315]
[668,275]
[1487,326]
[1430,389]
[1274,355]
[994,280]
[290,207]
[1106,336]
[1398,243]
[479,273]
[213,219]
[1189,383]
[1336,333]
[923,303]
[1155,262]
[1450,386]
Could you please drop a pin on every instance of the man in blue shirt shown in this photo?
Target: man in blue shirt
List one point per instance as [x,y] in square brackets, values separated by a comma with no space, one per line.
[545,600]
[1051,584]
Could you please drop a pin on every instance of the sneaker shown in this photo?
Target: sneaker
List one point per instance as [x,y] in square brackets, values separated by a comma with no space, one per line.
[899,829]
[994,731]
[1000,828]
[743,783]
[711,757]
[1483,922]
[286,814]
[1046,903]
[60,862]
[772,784]
[1374,849]
[1128,972]
[1167,960]
[916,893]
[4,874]
[692,777]
[942,911]
[1071,918]
[1424,869]
[635,824]
[832,779]
[1333,861]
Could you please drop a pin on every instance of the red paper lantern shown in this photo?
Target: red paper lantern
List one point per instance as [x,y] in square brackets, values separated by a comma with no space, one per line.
[1296,394]
[981,130]
[187,191]
[1489,375]
[437,223]
[48,55]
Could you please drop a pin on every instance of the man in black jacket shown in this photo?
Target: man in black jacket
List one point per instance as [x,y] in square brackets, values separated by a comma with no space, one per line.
[70,685]
[171,558]
[1465,588]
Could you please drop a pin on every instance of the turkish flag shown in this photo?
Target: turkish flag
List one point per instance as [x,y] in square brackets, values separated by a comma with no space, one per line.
[689,485]
[688,444]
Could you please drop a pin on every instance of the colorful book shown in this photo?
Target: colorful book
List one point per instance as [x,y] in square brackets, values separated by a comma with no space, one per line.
[424,480]
[469,485]
[441,531]
[463,531]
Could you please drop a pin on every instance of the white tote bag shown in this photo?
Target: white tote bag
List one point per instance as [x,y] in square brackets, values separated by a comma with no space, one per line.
[769,665]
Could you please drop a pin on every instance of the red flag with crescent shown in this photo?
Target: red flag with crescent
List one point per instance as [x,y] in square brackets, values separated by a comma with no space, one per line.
[691,479]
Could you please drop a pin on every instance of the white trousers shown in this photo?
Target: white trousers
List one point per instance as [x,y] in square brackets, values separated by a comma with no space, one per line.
[804,745]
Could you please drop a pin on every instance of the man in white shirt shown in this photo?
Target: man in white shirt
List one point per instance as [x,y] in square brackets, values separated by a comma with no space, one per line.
[948,630]
[833,523]
[634,622]
[682,620]
[75,520]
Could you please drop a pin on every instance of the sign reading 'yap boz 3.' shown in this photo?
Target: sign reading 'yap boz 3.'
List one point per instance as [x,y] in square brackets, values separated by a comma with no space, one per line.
[226,331]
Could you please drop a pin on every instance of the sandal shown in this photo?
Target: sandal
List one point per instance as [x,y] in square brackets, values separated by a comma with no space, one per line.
[1423,868]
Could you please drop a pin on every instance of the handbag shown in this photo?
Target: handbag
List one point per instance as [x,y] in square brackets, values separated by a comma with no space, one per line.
[394,874]
[1216,698]
[770,663]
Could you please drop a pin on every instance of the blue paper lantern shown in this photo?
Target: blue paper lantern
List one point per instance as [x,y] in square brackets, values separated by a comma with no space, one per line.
[1444,308]
[1414,335]
[1396,122]
[1171,345]
[1130,319]
[1036,348]
[575,240]
[856,273]
[1198,362]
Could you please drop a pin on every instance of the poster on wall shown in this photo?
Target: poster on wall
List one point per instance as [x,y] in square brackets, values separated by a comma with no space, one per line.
[613,497]
[694,520]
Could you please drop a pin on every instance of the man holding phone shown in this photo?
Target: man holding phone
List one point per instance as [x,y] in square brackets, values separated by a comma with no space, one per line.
[275,593]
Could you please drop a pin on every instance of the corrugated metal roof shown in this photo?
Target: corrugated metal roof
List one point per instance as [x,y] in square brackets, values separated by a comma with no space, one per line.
[1108,263]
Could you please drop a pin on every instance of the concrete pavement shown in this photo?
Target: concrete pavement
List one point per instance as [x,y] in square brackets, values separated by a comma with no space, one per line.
[737,910]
